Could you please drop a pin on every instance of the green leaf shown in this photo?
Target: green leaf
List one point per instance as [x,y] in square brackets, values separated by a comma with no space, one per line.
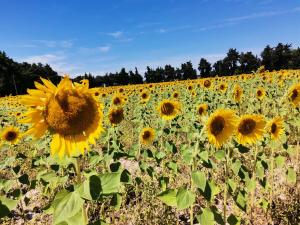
[291,175]
[110,182]
[214,188]
[6,205]
[236,167]
[169,197]
[199,179]
[220,155]
[206,217]
[67,207]
[187,156]
[241,201]
[204,155]
[233,220]
[232,184]
[185,198]
[280,161]
[116,201]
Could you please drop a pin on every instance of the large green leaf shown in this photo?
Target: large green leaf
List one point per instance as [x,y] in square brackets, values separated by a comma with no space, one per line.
[169,197]
[6,205]
[110,182]
[291,175]
[206,217]
[185,198]
[66,207]
[199,179]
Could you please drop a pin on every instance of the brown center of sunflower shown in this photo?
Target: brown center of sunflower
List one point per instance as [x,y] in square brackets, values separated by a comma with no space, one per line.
[96,93]
[146,135]
[10,136]
[200,110]
[222,87]
[116,116]
[144,95]
[247,126]
[175,95]
[217,125]
[167,108]
[259,93]
[190,87]
[273,128]
[207,83]
[294,94]
[71,112]
[117,101]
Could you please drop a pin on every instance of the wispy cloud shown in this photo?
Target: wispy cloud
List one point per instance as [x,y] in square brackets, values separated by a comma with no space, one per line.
[58,61]
[116,34]
[257,15]
[98,49]
[54,43]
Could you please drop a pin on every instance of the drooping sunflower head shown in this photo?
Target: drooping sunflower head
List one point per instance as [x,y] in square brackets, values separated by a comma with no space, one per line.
[169,109]
[10,135]
[116,115]
[70,111]
[237,93]
[294,95]
[147,136]
[260,93]
[202,109]
[221,126]
[275,128]
[250,129]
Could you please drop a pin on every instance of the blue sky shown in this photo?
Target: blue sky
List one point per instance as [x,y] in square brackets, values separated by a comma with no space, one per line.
[101,36]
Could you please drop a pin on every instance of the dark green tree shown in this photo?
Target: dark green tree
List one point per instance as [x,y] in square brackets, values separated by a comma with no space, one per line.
[204,68]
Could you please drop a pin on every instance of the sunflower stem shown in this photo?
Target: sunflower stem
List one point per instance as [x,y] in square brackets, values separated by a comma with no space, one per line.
[225,185]
[78,171]
[192,189]
[253,179]
[271,179]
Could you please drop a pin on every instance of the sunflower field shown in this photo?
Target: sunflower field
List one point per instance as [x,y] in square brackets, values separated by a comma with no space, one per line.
[221,150]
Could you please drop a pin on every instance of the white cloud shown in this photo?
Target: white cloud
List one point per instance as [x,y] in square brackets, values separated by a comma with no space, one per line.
[104,48]
[116,34]
[55,44]
[58,62]
[263,14]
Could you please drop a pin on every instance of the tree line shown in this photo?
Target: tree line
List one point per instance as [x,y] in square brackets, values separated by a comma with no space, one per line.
[16,77]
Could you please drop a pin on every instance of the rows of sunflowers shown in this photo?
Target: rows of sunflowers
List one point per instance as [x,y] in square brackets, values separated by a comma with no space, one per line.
[221,150]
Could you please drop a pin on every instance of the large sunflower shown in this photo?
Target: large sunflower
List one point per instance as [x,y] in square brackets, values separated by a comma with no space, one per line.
[220,126]
[294,95]
[10,135]
[250,129]
[147,136]
[145,96]
[69,111]
[275,128]
[169,109]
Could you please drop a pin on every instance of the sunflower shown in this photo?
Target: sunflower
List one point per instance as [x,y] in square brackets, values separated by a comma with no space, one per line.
[294,94]
[147,136]
[220,126]
[193,93]
[169,109]
[275,128]
[117,100]
[202,109]
[145,96]
[223,87]
[237,93]
[69,110]
[175,94]
[207,84]
[260,93]
[10,135]
[116,115]
[250,129]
